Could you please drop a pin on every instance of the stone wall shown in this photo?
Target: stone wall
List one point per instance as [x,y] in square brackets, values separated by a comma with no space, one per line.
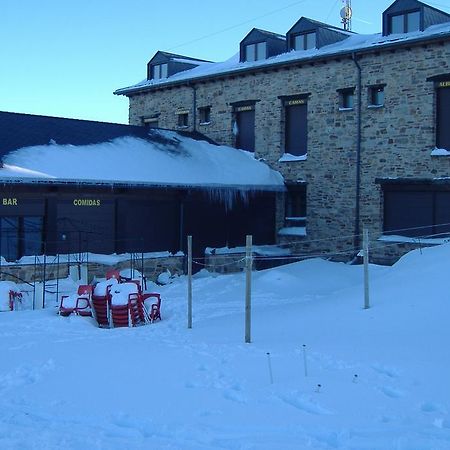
[51,270]
[397,138]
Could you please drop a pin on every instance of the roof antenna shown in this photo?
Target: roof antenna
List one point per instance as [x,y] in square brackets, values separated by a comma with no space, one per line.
[346,15]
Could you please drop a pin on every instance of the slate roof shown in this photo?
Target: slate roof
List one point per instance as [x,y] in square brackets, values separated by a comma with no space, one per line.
[25,130]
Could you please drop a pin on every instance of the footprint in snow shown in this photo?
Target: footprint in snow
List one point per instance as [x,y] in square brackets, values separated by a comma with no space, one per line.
[303,403]
[390,372]
[442,423]
[24,375]
[392,392]
[430,407]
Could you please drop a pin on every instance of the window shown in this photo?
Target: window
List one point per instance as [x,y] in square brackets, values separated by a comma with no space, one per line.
[255,52]
[150,122]
[346,98]
[305,41]
[183,119]
[296,126]
[404,23]
[160,71]
[20,236]
[442,115]
[376,96]
[295,206]
[205,115]
[244,127]
[417,213]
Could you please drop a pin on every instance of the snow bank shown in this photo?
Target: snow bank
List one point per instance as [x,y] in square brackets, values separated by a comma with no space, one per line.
[5,288]
[383,372]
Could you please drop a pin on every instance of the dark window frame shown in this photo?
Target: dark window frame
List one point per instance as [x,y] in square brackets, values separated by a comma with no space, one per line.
[374,96]
[295,205]
[20,237]
[204,113]
[259,53]
[406,21]
[245,141]
[160,71]
[303,38]
[346,99]
[442,132]
[430,206]
[291,102]
[183,120]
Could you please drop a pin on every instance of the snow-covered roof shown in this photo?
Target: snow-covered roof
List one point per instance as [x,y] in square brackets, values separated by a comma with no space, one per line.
[165,158]
[354,43]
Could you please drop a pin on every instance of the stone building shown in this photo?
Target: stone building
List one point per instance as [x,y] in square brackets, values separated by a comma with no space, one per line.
[358,125]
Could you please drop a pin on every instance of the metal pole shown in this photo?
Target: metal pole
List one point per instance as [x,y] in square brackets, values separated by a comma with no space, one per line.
[57,278]
[305,363]
[270,368]
[248,289]
[44,275]
[366,268]
[189,243]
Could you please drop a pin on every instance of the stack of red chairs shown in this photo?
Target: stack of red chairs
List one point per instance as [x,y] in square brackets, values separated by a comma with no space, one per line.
[130,308]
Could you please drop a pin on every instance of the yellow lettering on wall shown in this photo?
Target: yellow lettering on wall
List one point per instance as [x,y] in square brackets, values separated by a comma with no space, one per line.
[86,202]
[444,84]
[243,108]
[8,201]
[296,102]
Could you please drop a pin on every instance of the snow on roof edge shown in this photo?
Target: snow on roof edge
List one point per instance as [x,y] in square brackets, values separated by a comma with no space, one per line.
[368,42]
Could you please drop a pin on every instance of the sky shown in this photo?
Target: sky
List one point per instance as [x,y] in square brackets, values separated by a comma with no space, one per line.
[65,58]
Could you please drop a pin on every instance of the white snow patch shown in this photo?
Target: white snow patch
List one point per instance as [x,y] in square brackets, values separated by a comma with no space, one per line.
[440,152]
[181,161]
[287,157]
[292,231]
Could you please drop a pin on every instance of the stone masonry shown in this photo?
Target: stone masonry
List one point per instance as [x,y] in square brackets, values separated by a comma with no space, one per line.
[396,140]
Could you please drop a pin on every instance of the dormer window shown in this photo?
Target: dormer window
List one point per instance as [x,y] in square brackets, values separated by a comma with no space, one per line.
[160,71]
[404,23]
[259,45]
[407,16]
[305,41]
[255,52]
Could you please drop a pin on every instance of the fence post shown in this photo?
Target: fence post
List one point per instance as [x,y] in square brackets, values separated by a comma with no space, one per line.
[248,289]
[189,243]
[44,276]
[366,268]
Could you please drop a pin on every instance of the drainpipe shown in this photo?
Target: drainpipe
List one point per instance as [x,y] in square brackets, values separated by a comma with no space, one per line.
[194,106]
[357,231]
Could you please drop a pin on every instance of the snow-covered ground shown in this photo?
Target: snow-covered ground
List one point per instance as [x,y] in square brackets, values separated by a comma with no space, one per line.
[383,372]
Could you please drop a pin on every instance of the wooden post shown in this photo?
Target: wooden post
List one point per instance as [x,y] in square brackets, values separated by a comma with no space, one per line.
[366,268]
[248,289]
[189,243]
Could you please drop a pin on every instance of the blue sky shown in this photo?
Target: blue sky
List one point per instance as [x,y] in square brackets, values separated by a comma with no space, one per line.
[65,58]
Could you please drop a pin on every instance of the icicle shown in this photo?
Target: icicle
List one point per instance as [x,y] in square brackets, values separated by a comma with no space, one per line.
[235,128]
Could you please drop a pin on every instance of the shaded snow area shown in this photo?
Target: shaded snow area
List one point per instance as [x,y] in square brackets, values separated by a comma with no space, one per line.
[167,158]
[67,384]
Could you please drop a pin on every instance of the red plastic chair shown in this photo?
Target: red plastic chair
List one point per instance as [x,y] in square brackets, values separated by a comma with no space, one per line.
[101,305]
[82,302]
[154,312]
[83,306]
[14,297]
[113,273]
